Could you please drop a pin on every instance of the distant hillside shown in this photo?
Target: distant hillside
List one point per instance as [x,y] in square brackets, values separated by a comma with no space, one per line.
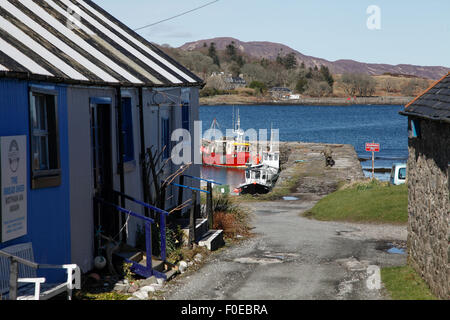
[270,50]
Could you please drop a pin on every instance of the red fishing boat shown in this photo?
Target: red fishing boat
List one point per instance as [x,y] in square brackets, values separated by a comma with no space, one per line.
[228,152]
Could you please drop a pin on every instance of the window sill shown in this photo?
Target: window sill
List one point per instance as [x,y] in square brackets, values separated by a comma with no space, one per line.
[128,166]
[48,179]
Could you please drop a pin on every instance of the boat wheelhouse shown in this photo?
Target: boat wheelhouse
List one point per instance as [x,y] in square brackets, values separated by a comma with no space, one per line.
[259,179]
[262,177]
[228,152]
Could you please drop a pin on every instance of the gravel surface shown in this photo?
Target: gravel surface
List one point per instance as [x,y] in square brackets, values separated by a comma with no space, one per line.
[292,257]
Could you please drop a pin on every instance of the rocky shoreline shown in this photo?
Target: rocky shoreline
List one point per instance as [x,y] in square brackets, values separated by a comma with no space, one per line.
[333,101]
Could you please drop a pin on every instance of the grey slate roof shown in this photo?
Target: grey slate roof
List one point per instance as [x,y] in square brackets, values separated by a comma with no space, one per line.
[77,41]
[433,104]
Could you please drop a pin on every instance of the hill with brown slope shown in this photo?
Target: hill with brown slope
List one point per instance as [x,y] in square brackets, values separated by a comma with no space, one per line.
[270,50]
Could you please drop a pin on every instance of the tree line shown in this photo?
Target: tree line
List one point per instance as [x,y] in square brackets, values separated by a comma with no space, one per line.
[286,70]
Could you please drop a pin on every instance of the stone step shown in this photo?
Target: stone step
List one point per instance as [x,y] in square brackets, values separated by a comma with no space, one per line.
[212,240]
[170,274]
[157,264]
[201,228]
[140,257]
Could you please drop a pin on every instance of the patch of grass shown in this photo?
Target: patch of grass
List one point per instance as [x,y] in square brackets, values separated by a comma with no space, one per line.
[83,295]
[368,201]
[403,283]
[184,253]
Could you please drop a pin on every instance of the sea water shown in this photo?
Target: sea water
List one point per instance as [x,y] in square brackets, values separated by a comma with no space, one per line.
[352,124]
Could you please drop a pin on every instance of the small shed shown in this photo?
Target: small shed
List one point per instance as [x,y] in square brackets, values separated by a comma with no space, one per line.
[428,179]
[86,97]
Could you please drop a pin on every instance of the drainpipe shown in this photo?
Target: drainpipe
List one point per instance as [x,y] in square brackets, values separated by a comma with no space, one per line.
[142,137]
[121,155]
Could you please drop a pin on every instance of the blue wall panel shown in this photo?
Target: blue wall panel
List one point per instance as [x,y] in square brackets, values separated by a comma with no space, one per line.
[48,209]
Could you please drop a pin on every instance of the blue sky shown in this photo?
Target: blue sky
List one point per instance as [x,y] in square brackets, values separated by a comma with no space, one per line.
[412,32]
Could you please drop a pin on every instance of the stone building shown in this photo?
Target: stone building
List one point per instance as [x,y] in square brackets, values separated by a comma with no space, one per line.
[428,186]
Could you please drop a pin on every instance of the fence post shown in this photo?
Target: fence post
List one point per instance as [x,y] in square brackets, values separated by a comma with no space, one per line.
[162,205]
[148,245]
[13,275]
[209,205]
[192,219]
[162,229]
[197,212]
[180,195]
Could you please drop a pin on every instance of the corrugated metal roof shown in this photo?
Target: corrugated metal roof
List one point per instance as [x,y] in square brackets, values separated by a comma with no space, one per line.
[432,104]
[77,40]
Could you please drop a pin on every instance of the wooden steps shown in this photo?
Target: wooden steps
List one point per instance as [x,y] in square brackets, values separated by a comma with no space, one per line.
[138,257]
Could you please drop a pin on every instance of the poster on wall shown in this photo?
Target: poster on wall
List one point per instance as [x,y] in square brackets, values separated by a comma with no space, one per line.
[13,183]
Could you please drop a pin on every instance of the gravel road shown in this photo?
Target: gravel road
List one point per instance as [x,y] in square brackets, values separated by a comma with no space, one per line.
[293,257]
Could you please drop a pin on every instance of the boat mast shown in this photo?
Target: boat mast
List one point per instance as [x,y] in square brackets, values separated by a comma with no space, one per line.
[271,138]
[234,124]
[238,120]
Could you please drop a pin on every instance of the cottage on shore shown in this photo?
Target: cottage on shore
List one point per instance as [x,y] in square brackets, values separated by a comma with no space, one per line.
[428,176]
[82,97]
[280,93]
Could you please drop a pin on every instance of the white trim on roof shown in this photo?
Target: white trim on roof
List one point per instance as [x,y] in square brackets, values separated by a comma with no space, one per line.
[40,50]
[78,23]
[134,40]
[22,59]
[58,43]
[77,40]
[90,32]
[125,45]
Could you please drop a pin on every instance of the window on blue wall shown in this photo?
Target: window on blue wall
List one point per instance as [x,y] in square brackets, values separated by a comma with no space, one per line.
[127,130]
[44,141]
[414,128]
[165,137]
[185,110]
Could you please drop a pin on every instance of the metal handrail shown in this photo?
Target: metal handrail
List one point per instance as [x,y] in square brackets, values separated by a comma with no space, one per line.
[20,260]
[201,179]
[162,226]
[187,187]
[129,212]
[146,205]
[29,263]
[148,236]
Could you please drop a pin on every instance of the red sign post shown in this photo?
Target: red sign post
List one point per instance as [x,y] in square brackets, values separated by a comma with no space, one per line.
[373,147]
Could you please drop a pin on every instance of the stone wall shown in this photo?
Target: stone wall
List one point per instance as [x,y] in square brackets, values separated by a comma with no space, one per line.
[429,206]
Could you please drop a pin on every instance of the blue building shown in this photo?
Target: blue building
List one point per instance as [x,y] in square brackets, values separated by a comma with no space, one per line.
[84,89]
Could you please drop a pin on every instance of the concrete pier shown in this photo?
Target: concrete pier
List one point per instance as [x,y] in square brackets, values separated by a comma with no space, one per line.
[304,172]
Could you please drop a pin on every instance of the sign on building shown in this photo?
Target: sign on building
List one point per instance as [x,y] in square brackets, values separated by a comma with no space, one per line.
[13,183]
